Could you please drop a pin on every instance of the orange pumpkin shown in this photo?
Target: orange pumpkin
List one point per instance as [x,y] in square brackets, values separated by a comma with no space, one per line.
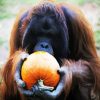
[40,66]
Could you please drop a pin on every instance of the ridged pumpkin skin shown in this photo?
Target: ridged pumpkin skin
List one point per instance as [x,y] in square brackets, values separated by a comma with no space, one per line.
[40,65]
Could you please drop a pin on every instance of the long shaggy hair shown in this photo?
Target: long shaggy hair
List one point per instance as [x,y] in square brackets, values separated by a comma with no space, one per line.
[76,43]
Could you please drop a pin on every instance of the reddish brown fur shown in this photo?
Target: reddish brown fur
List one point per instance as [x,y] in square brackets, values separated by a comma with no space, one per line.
[83,47]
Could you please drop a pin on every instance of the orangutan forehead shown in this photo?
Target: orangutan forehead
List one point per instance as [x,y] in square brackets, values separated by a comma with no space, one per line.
[41,10]
[46,9]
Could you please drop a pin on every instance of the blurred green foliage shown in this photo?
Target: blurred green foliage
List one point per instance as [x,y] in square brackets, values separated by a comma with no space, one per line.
[97,39]
[6,6]
[81,2]
[1,41]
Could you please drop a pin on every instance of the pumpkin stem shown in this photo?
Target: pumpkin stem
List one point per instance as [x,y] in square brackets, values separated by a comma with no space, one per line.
[43,87]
